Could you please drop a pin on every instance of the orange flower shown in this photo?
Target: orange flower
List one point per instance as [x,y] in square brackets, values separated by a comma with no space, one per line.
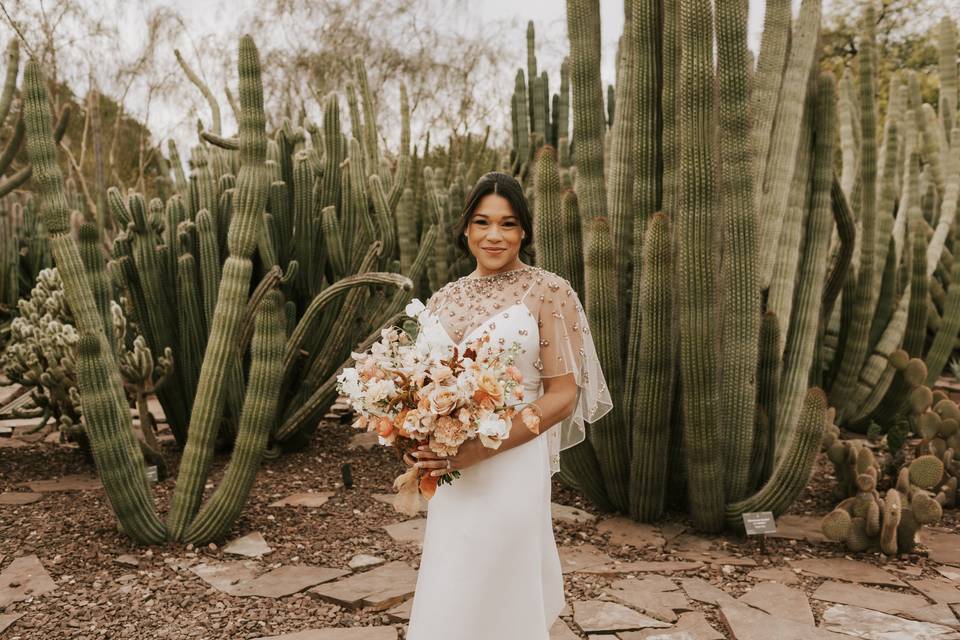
[384,427]
[428,485]
[491,386]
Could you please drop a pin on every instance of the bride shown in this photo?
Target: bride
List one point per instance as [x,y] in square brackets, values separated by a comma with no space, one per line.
[490,568]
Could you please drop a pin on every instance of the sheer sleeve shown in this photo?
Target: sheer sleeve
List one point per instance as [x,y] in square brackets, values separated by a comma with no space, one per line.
[566,346]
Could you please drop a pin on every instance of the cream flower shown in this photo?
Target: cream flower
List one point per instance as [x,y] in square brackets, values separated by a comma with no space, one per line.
[414,308]
[443,400]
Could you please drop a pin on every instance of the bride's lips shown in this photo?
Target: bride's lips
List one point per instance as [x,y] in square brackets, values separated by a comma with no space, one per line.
[494,250]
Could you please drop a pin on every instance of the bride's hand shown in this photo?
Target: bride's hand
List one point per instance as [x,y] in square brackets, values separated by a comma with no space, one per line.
[470,453]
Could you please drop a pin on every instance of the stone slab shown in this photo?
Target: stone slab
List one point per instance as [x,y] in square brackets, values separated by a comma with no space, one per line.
[224,576]
[661,605]
[579,558]
[944,546]
[875,625]
[793,527]
[847,570]
[560,631]
[780,574]
[718,557]
[74,482]
[940,591]
[746,623]
[317,499]
[19,497]
[636,534]
[408,530]
[694,624]
[12,443]
[251,545]
[948,572]
[351,633]
[877,599]
[571,515]
[379,588]
[702,591]
[597,616]
[780,601]
[7,619]
[401,612]
[642,566]
[24,578]
[364,561]
[287,580]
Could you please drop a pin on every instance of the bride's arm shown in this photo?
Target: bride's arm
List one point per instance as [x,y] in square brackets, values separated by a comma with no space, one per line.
[556,403]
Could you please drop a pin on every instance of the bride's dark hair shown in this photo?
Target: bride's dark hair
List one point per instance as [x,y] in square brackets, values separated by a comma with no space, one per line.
[506,186]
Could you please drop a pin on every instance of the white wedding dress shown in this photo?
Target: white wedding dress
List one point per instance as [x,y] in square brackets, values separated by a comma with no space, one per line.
[490,568]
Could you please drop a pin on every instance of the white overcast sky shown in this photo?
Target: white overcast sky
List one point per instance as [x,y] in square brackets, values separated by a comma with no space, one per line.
[503,17]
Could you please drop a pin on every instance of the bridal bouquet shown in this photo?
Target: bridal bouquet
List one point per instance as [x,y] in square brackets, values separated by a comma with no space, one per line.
[412,394]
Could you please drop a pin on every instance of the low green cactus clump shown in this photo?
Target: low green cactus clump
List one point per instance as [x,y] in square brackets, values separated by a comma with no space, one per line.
[42,356]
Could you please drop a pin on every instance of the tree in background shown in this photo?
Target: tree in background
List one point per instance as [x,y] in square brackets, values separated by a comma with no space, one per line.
[906,39]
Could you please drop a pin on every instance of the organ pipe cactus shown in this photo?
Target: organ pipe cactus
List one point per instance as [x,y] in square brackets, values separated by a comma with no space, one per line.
[187,266]
[692,312]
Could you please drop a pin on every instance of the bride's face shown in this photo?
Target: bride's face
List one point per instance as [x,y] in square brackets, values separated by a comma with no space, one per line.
[494,234]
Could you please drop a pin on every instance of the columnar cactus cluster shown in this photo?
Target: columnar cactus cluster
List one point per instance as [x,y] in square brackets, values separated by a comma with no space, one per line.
[277,246]
[710,383]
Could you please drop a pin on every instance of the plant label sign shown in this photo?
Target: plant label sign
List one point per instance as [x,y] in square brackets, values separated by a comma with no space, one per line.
[152,473]
[759,522]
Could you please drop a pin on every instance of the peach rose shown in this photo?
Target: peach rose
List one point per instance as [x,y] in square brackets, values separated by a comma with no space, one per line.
[514,373]
[490,386]
[443,400]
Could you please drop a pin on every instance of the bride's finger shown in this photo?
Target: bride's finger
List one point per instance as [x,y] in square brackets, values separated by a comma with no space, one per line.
[432,464]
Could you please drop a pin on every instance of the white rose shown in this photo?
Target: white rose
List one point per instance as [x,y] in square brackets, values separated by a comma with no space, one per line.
[414,308]
[493,426]
[349,382]
[379,390]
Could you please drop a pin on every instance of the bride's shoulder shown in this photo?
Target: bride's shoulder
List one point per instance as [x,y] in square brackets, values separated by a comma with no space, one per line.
[551,281]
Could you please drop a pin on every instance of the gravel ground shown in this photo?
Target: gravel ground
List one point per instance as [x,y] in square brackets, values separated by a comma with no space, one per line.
[74,536]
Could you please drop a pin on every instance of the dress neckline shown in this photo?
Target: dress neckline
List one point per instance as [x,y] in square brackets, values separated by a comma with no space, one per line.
[525,267]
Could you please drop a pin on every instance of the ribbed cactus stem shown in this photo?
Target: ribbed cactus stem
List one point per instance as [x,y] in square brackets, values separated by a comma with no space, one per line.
[697,299]
[551,242]
[651,368]
[620,170]
[785,137]
[766,82]
[114,445]
[10,78]
[245,228]
[738,270]
[811,274]
[204,89]
[107,413]
[93,263]
[793,472]
[583,27]
[256,421]
[608,436]
[855,346]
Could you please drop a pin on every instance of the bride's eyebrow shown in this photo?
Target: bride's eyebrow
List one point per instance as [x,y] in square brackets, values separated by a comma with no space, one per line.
[506,218]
